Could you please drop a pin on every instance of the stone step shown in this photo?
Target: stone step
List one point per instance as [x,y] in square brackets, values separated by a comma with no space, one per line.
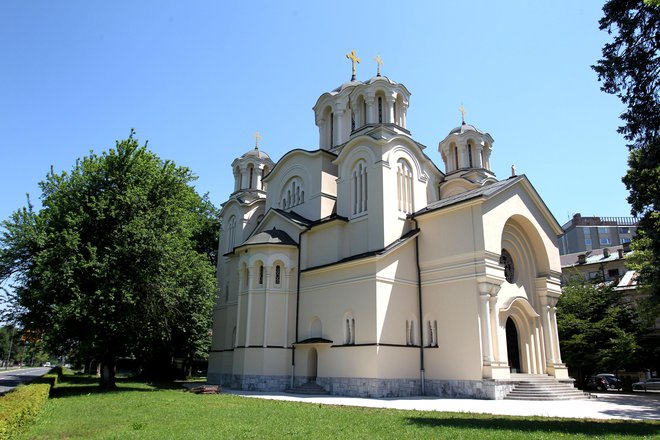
[540,387]
[307,388]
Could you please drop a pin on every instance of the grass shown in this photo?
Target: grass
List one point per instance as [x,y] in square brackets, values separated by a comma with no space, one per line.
[78,410]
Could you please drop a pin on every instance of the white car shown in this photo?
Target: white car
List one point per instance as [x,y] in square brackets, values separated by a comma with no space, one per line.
[649,384]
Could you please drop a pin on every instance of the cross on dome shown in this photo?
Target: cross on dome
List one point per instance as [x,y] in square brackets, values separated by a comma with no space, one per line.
[379,61]
[463,112]
[354,59]
[257,138]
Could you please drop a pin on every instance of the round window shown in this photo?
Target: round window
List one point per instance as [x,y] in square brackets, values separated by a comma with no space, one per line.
[507,262]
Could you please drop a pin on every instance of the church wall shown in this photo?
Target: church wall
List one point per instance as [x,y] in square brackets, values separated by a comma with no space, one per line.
[315,172]
[454,305]
[275,332]
[324,244]
[450,264]
[257,307]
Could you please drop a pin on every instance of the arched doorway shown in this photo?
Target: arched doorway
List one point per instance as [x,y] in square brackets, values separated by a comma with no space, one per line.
[512,347]
[312,363]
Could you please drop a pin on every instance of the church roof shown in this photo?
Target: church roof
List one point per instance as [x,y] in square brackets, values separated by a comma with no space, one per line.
[272,236]
[464,128]
[256,152]
[484,191]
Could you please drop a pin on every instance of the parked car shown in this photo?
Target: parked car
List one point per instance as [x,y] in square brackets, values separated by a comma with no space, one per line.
[645,385]
[604,382]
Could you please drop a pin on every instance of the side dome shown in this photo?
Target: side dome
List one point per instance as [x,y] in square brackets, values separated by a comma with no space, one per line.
[256,152]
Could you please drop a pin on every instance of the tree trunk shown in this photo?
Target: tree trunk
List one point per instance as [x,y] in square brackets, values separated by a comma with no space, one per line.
[108,370]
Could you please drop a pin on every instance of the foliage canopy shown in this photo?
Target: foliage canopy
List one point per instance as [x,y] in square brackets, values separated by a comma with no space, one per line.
[120,261]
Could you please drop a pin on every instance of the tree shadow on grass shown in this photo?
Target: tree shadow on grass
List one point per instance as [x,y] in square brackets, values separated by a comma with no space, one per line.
[71,386]
[558,426]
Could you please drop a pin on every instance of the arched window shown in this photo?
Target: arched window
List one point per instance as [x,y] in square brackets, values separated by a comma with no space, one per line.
[410,332]
[278,275]
[251,176]
[261,274]
[380,109]
[295,194]
[332,130]
[231,233]
[359,190]
[454,153]
[470,155]
[432,337]
[404,185]
[349,331]
[364,112]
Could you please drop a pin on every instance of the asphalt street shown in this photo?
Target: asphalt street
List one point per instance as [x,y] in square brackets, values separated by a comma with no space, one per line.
[10,379]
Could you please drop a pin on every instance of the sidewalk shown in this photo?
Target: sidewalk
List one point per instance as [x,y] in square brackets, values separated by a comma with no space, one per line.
[630,406]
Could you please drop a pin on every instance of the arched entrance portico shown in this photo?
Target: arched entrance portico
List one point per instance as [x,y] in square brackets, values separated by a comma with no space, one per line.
[524,337]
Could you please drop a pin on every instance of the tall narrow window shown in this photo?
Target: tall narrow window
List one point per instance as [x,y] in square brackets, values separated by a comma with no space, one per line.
[352,120]
[364,112]
[231,233]
[455,156]
[395,114]
[404,186]
[380,110]
[410,332]
[261,274]
[278,279]
[332,130]
[250,185]
[350,330]
[432,328]
[360,189]
[470,154]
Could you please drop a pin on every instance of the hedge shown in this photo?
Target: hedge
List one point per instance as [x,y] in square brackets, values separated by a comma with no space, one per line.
[21,405]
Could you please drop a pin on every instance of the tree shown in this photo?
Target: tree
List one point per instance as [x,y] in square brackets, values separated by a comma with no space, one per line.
[630,69]
[598,329]
[118,262]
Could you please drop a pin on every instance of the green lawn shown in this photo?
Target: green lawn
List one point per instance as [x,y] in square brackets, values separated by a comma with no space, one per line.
[77,410]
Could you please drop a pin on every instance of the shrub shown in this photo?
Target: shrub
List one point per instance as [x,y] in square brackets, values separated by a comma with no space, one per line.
[20,406]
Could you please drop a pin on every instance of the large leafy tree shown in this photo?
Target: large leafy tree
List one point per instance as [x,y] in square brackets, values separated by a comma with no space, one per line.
[599,330]
[118,262]
[630,69]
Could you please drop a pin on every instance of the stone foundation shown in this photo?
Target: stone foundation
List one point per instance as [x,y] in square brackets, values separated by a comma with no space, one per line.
[250,382]
[373,388]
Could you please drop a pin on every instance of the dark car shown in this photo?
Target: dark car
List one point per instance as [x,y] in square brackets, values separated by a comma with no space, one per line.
[650,384]
[604,382]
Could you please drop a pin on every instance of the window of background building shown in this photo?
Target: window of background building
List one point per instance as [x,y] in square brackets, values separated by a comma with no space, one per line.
[625,240]
[587,241]
[602,230]
[605,241]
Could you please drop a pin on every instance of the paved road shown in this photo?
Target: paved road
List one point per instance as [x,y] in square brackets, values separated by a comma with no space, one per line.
[10,379]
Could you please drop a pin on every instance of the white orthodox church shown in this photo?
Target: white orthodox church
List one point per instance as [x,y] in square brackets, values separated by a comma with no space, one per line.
[362,267]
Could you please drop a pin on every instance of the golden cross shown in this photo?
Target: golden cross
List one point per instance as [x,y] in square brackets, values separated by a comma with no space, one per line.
[354,59]
[379,61]
[463,112]
[257,138]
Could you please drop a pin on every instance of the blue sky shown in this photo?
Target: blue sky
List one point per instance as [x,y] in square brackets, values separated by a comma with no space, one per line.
[198,78]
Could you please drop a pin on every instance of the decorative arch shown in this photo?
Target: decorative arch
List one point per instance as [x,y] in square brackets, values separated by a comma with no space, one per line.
[315,327]
[529,335]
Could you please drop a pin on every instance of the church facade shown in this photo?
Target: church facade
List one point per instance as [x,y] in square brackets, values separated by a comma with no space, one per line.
[362,267]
